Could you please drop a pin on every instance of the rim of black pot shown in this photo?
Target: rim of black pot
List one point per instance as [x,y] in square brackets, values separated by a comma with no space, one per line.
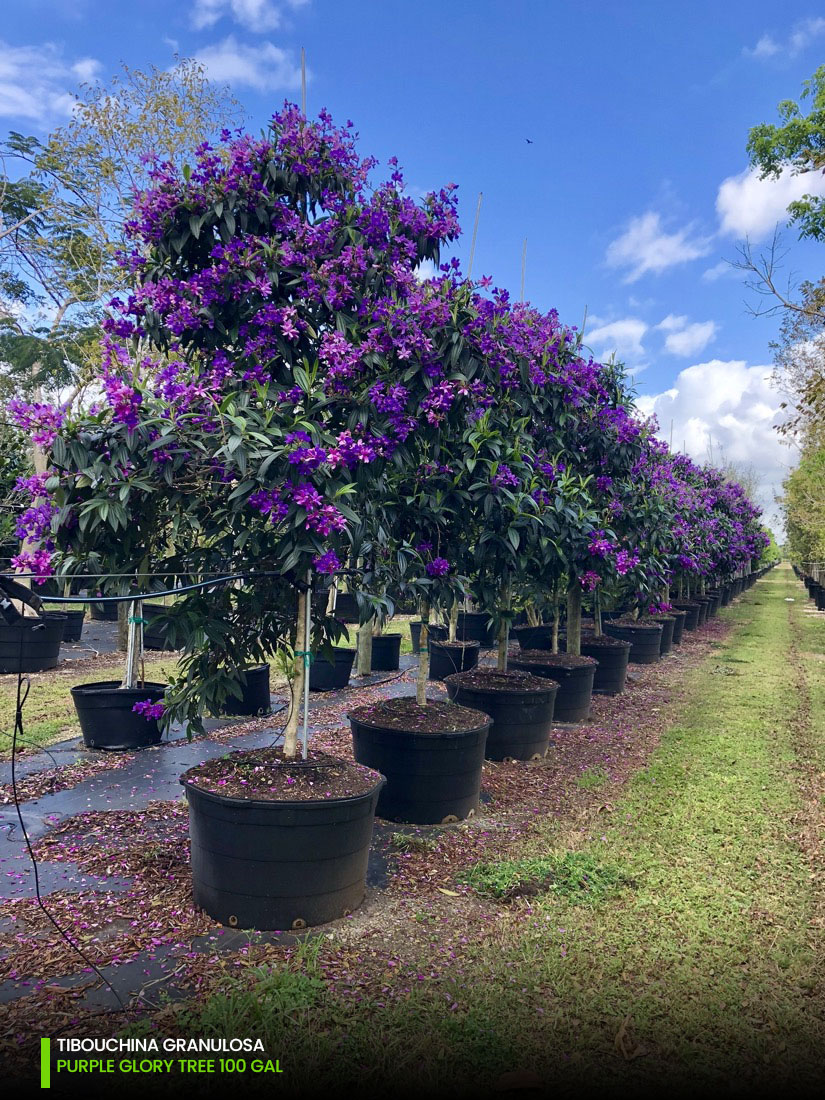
[635,626]
[233,800]
[611,643]
[106,686]
[455,678]
[423,733]
[521,657]
[458,642]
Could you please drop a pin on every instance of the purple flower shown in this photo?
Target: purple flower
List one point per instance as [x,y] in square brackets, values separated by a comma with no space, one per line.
[149,710]
[327,563]
[438,567]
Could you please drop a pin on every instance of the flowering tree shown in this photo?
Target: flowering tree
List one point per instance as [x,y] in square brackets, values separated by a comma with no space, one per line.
[268,365]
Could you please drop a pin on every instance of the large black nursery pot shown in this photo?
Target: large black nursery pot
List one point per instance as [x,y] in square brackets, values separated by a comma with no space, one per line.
[668,623]
[107,720]
[277,865]
[612,656]
[534,637]
[820,598]
[645,640]
[726,593]
[346,607]
[573,674]
[449,657]
[103,612]
[520,705]
[31,645]
[704,604]
[691,609]
[715,602]
[679,618]
[435,632]
[432,777]
[331,675]
[474,626]
[73,626]
[155,636]
[255,698]
[386,652]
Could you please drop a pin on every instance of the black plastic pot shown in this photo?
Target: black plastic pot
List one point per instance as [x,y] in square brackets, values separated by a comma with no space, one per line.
[434,632]
[279,865]
[726,593]
[254,694]
[73,627]
[534,637]
[432,778]
[449,657]
[820,598]
[645,641]
[154,635]
[31,645]
[666,641]
[325,675]
[679,618]
[346,607]
[611,671]
[386,652]
[692,616]
[522,718]
[103,612]
[575,686]
[715,602]
[107,720]
[474,626]
[704,604]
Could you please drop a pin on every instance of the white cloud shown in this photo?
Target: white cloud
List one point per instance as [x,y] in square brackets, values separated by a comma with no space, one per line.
[801,36]
[622,338]
[36,82]
[718,271]
[730,408]
[646,246]
[684,338]
[427,270]
[751,207]
[264,66]
[255,15]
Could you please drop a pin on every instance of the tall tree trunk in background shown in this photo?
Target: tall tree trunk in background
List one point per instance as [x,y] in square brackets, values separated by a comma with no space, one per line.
[299,670]
[504,630]
[574,619]
[423,657]
[365,649]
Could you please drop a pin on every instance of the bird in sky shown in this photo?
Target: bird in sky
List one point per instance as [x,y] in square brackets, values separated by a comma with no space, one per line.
[529,142]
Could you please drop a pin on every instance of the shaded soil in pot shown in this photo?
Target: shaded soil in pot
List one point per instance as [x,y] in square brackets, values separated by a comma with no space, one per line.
[490,679]
[408,716]
[267,775]
[553,660]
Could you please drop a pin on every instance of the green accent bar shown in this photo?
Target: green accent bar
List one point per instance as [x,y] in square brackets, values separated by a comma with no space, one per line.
[45,1063]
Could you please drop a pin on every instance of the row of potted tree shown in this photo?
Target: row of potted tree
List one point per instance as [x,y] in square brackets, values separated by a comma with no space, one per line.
[284,399]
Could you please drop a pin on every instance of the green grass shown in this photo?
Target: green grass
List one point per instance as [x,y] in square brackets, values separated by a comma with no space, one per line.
[592,779]
[575,876]
[706,971]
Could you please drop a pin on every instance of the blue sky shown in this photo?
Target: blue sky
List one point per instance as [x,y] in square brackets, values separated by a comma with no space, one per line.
[632,194]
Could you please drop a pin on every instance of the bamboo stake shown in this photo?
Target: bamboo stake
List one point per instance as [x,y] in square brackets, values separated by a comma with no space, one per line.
[473,241]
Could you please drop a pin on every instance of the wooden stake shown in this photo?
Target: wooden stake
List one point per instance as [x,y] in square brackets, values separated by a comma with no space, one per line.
[473,241]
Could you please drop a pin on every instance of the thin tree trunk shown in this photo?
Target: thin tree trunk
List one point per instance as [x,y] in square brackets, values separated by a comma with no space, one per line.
[423,657]
[453,622]
[365,649]
[504,630]
[555,636]
[297,692]
[597,612]
[574,619]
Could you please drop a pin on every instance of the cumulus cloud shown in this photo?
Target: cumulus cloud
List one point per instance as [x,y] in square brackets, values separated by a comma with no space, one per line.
[751,207]
[622,338]
[729,409]
[647,246]
[264,66]
[255,15]
[684,337]
[36,81]
[800,37]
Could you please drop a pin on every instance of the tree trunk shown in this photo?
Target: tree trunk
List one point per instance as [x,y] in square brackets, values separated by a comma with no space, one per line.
[574,619]
[504,631]
[299,672]
[364,650]
[597,612]
[423,657]
[453,622]
[555,638]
